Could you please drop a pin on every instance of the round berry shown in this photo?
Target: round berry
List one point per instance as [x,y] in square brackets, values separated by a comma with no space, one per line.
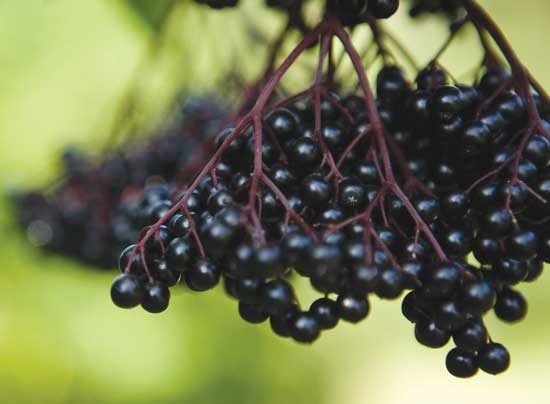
[252,313]
[478,297]
[511,306]
[494,358]
[305,328]
[461,363]
[472,337]
[325,311]
[277,296]
[352,308]
[203,275]
[156,297]
[127,291]
[428,334]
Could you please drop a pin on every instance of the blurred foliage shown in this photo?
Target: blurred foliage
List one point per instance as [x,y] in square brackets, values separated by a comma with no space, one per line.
[153,13]
[66,65]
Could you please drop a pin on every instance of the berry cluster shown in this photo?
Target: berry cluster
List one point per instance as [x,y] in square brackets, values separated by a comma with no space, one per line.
[306,185]
[432,189]
[95,210]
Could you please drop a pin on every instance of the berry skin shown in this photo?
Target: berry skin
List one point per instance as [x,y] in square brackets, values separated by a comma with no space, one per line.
[284,123]
[511,106]
[534,269]
[478,297]
[447,102]
[277,296]
[367,173]
[414,271]
[383,8]
[487,249]
[304,153]
[316,192]
[296,248]
[522,245]
[442,280]
[410,308]
[430,77]
[428,334]
[252,313]
[203,275]
[476,134]
[461,363]
[510,271]
[472,337]
[281,324]
[164,274]
[455,205]
[537,150]
[352,194]
[494,358]
[511,306]
[428,208]
[498,222]
[449,316]
[283,177]
[352,308]
[137,266]
[127,291]
[390,283]
[156,298]
[248,289]
[305,328]
[335,136]
[457,242]
[364,277]
[325,258]
[235,148]
[325,311]
[268,260]
[216,237]
[179,254]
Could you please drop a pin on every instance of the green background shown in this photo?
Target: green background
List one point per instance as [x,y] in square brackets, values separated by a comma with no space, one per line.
[64,68]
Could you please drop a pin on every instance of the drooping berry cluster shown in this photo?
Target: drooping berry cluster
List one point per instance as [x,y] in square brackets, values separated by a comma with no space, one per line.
[434,187]
[98,207]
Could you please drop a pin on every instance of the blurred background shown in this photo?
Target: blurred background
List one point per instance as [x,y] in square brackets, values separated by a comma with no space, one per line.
[67,67]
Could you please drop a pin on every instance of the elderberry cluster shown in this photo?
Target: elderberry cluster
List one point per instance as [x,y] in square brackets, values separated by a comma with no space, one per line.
[472,170]
[95,208]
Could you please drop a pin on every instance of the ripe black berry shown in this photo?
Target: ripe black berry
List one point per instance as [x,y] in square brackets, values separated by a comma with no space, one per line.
[510,306]
[127,291]
[352,307]
[325,311]
[277,296]
[156,297]
[202,275]
[252,313]
[428,334]
[461,363]
[494,358]
[472,337]
[305,328]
